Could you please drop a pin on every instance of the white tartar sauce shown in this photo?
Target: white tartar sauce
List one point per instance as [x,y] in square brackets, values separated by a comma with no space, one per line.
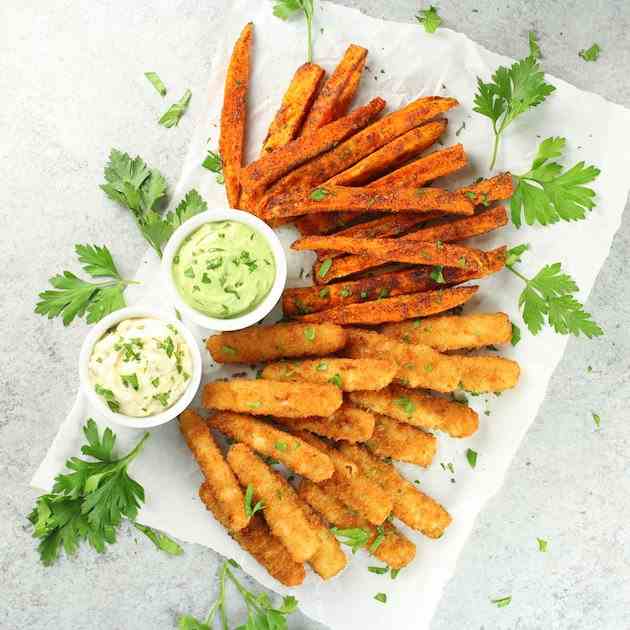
[140,367]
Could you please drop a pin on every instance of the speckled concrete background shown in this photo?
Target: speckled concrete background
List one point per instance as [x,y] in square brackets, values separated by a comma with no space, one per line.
[72,85]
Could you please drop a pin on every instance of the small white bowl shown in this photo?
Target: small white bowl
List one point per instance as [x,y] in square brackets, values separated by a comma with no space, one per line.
[247,319]
[99,329]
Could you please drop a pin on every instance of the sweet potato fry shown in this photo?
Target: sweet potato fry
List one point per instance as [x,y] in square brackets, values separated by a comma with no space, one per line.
[324,272]
[267,343]
[391,155]
[334,198]
[485,191]
[412,507]
[294,453]
[348,374]
[349,482]
[347,423]
[326,222]
[261,398]
[395,549]
[258,540]
[214,468]
[296,104]
[395,309]
[401,441]
[420,410]
[454,332]
[486,374]
[267,169]
[234,115]
[282,507]
[338,91]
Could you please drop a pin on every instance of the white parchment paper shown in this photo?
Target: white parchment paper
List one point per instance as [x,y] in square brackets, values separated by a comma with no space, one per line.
[404,63]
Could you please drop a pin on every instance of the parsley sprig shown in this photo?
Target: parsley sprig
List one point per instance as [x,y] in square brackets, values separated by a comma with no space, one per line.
[89,502]
[511,92]
[549,296]
[74,297]
[284,9]
[429,18]
[354,537]
[261,614]
[546,194]
[214,163]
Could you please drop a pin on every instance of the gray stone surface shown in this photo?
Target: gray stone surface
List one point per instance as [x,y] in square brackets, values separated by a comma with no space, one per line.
[72,86]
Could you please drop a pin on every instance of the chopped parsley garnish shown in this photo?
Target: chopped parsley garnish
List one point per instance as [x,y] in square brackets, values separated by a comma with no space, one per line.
[345,292]
[156,82]
[380,537]
[249,495]
[336,380]
[214,163]
[516,334]
[309,333]
[405,404]
[109,397]
[381,597]
[355,537]
[471,456]
[542,545]
[256,404]
[168,346]
[429,18]
[590,54]
[325,267]
[324,292]
[319,193]
[383,293]
[228,350]
[378,570]
[502,602]
[437,275]
[596,419]
[322,366]
[281,446]
[162,398]
[130,380]
[155,381]
[174,113]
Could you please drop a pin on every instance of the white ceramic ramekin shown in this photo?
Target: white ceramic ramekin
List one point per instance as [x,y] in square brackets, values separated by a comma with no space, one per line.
[223,214]
[99,329]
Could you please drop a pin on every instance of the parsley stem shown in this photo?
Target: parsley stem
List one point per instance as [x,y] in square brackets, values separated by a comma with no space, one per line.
[495,150]
[309,25]
[517,273]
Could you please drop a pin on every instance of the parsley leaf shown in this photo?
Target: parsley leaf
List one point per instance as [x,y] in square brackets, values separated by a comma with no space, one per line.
[249,495]
[354,537]
[214,163]
[549,294]
[471,456]
[284,9]
[319,193]
[516,334]
[534,48]
[511,93]
[172,116]
[160,540]
[547,195]
[429,18]
[381,597]
[596,419]
[74,297]
[437,274]
[590,54]
[542,545]
[502,602]
[156,82]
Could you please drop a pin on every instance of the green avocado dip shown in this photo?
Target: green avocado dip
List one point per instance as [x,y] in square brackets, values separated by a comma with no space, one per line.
[224,269]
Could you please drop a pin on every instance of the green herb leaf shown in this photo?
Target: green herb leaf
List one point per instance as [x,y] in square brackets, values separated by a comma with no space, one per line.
[309,333]
[381,597]
[319,193]
[325,267]
[590,54]
[354,537]
[471,456]
[437,275]
[380,537]
[405,404]
[284,9]
[249,495]
[214,163]
[596,419]
[516,334]
[542,545]
[429,18]
[378,570]
[322,366]
[130,380]
[156,82]
[502,602]
[172,116]
[160,540]
[109,397]
[335,379]
[534,48]
[281,446]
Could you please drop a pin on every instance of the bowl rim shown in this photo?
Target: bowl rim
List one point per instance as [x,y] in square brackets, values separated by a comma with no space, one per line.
[97,332]
[247,319]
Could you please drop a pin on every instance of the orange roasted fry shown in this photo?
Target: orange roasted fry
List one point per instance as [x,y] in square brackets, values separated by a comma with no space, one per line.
[258,540]
[394,549]
[485,191]
[327,222]
[269,168]
[394,309]
[338,91]
[296,104]
[391,155]
[214,468]
[234,115]
[334,198]
[412,507]
[348,423]
[420,410]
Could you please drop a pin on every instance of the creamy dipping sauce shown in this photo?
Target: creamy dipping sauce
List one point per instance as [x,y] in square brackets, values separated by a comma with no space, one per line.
[140,367]
[224,269]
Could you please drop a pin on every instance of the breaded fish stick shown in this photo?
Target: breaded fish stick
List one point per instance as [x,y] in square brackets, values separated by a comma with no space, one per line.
[486,374]
[412,507]
[259,542]
[420,410]
[218,474]
[418,365]
[357,490]
[347,423]
[329,559]
[268,343]
[282,507]
[395,549]
[293,452]
[401,441]
[454,332]
[348,374]
[273,398]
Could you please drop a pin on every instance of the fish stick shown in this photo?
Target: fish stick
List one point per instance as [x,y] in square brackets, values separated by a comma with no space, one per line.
[401,441]
[357,490]
[296,104]
[234,115]
[273,398]
[395,309]
[334,198]
[454,332]
[411,506]
[420,410]
[290,450]
[481,374]
[258,540]
[218,474]
[396,550]
[338,91]
[282,507]
[268,343]
[348,374]
[329,559]
[269,168]
[347,423]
